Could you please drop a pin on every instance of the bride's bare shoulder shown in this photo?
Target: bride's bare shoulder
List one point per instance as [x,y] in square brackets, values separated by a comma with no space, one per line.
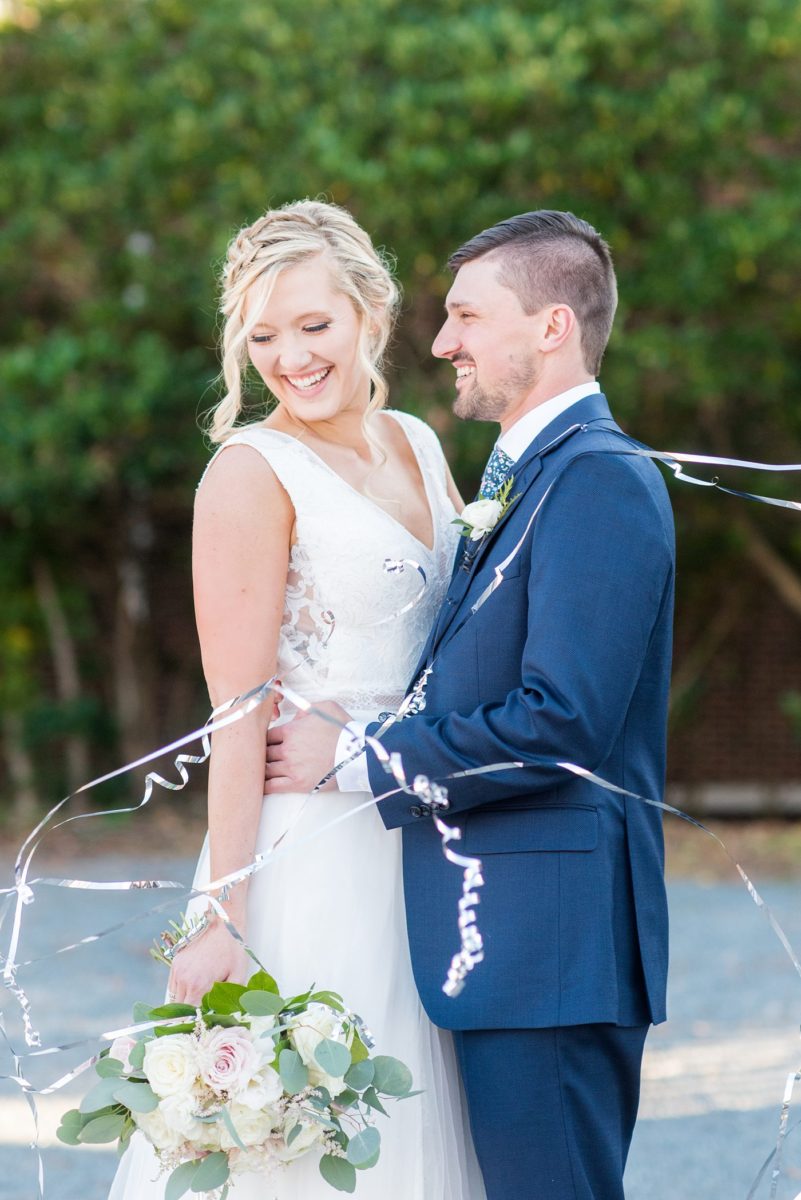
[241,482]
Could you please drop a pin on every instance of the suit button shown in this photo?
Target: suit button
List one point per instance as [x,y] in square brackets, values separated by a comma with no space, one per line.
[416,811]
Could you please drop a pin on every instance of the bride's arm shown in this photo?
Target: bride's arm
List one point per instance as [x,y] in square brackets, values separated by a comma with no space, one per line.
[453,491]
[242,531]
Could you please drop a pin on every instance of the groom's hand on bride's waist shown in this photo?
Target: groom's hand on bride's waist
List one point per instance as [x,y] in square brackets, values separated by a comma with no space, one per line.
[303,751]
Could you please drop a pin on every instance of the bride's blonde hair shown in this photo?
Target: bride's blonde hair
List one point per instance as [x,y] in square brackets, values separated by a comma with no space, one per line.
[282,238]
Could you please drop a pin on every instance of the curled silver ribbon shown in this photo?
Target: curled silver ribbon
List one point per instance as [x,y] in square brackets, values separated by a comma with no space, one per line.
[23,892]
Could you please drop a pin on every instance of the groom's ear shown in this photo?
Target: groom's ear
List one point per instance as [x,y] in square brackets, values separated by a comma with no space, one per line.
[559,326]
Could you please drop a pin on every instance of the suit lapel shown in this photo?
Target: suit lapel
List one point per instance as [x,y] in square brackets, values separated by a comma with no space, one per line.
[525,472]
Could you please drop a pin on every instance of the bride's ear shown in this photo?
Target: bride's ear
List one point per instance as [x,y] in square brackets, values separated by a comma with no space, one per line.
[373,331]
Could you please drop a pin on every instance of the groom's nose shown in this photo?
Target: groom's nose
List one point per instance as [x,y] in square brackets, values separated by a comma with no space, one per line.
[446,343]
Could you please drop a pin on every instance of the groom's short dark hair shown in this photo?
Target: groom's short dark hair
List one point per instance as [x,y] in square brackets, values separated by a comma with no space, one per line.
[551,257]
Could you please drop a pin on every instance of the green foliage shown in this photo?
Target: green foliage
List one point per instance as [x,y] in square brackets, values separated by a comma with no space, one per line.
[364,1148]
[261,1004]
[338,1172]
[333,1057]
[138,138]
[392,1077]
[294,1075]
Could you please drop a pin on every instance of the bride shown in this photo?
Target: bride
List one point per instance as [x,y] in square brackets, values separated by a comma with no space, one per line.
[313,531]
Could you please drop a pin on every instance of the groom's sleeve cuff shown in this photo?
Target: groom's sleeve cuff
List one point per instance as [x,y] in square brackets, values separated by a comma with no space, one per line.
[354,776]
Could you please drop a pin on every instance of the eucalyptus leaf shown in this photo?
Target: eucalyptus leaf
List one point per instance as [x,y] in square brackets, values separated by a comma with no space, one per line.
[369,1162]
[338,1172]
[346,1098]
[102,1129]
[261,1003]
[136,1056]
[68,1134]
[212,1172]
[141,1012]
[364,1146]
[333,1057]
[139,1097]
[73,1117]
[107,1067]
[180,1180]
[100,1096]
[360,1075]
[294,1132]
[370,1098]
[392,1077]
[320,1097]
[294,1075]
[229,1125]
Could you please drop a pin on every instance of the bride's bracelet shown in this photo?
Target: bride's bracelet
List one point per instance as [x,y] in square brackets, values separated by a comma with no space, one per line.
[172,941]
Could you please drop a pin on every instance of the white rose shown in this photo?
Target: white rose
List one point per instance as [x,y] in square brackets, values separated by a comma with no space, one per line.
[264,1031]
[228,1058]
[310,1133]
[158,1130]
[310,1028]
[209,1135]
[252,1127]
[482,516]
[171,1063]
[179,1113]
[264,1089]
[256,1159]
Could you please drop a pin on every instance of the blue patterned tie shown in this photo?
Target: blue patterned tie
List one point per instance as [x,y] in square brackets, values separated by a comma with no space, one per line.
[495,472]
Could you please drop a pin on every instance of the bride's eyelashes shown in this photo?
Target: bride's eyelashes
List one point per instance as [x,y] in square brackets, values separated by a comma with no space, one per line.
[266,338]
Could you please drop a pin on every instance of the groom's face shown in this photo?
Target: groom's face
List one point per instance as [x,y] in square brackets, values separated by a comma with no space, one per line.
[489,339]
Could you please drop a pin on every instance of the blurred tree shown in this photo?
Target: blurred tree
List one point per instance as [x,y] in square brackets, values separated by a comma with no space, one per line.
[137,137]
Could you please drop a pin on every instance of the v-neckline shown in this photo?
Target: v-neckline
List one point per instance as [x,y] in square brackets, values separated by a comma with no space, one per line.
[430,550]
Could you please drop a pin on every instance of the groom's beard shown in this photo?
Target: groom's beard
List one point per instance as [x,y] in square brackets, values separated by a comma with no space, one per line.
[477,403]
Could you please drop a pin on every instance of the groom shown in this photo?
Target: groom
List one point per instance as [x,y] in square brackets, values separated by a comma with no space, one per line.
[567,661]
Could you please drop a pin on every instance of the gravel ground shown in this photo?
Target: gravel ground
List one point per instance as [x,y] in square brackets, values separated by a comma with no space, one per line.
[713,1079]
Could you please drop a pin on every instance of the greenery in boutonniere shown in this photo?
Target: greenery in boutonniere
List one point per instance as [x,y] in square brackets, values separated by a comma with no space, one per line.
[480,518]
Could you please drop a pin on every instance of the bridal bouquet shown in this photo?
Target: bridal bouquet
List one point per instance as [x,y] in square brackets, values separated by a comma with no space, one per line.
[249,1081]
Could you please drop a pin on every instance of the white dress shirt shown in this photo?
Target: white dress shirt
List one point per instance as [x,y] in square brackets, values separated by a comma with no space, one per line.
[354,776]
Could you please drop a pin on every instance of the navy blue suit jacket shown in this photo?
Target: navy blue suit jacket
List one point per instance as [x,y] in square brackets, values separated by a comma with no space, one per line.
[569,660]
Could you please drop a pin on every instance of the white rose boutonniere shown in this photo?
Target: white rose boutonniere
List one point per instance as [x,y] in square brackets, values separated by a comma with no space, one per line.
[480,518]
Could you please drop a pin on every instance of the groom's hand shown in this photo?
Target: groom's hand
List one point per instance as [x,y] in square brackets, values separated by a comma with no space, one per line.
[301,752]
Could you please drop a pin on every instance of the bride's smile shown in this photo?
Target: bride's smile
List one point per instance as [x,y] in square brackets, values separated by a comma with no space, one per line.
[309,356]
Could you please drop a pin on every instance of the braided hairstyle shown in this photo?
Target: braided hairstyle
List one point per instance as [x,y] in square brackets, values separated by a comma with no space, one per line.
[282,238]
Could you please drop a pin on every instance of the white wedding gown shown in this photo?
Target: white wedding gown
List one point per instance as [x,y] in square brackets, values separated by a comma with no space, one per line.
[331,912]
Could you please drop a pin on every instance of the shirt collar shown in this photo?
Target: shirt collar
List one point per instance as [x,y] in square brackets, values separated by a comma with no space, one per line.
[520,436]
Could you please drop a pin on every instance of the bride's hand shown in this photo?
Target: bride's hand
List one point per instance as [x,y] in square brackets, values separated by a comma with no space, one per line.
[302,752]
[212,957]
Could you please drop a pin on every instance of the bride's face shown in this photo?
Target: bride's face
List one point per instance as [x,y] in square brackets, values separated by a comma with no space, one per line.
[305,345]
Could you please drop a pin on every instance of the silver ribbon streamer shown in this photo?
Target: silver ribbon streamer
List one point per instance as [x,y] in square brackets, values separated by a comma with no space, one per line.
[471,950]
[397,566]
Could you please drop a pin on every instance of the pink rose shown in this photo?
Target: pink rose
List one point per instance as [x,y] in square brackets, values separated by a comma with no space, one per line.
[228,1059]
[121,1049]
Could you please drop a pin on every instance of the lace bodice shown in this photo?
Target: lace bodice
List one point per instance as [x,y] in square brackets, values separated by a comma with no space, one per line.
[361,591]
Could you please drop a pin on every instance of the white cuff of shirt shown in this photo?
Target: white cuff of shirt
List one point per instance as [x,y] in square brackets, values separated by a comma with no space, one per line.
[354,776]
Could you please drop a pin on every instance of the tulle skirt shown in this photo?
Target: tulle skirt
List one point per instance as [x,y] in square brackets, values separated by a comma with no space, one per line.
[332,914]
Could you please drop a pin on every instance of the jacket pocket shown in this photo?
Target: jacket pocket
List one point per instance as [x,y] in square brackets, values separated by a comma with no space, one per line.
[531,830]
